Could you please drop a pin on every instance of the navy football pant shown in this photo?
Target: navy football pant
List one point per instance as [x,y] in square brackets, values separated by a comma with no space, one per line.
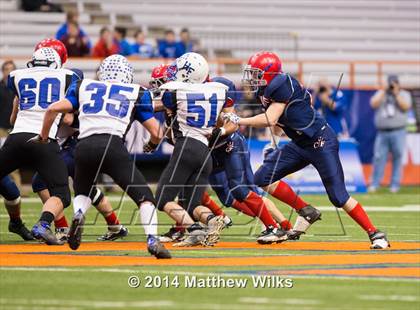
[8,189]
[321,152]
[232,176]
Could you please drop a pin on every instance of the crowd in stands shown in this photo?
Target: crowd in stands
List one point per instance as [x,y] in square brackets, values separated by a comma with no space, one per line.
[115,41]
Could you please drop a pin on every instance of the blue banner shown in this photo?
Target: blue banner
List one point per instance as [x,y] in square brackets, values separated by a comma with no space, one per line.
[308,180]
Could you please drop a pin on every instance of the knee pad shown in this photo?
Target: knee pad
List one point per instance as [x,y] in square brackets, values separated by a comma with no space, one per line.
[337,192]
[38,183]
[191,209]
[224,195]
[96,196]
[12,202]
[8,189]
[260,177]
[239,191]
[63,193]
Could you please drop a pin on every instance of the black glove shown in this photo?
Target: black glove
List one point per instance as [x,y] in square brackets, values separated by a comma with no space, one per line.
[150,147]
[214,137]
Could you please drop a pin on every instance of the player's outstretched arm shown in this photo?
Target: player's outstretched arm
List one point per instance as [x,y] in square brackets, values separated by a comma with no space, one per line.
[62,106]
[267,119]
[155,130]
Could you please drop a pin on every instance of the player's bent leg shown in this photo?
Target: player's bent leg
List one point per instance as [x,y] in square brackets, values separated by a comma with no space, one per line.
[195,233]
[52,169]
[12,201]
[277,215]
[377,238]
[115,229]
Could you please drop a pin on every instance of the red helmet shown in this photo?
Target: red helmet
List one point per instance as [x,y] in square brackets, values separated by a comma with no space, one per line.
[55,44]
[159,76]
[261,69]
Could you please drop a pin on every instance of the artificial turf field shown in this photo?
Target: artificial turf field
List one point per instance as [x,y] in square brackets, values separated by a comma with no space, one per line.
[329,269]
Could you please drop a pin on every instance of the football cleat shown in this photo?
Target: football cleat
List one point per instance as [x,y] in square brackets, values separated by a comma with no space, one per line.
[272,235]
[156,248]
[215,226]
[21,230]
[172,235]
[227,221]
[307,216]
[379,240]
[42,231]
[113,234]
[192,238]
[76,230]
[61,233]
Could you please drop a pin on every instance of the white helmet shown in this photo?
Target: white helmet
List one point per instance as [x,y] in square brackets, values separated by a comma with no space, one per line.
[190,68]
[45,57]
[116,68]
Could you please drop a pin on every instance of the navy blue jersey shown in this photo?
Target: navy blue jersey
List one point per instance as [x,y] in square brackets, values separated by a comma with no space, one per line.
[231,92]
[300,121]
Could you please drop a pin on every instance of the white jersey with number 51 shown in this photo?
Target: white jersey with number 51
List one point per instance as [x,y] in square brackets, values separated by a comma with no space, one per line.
[197,107]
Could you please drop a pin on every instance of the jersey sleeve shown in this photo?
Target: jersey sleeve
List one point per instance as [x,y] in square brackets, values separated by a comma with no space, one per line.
[340,100]
[280,89]
[72,94]
[11,84]
[231,92]
[169,100]
[144,107]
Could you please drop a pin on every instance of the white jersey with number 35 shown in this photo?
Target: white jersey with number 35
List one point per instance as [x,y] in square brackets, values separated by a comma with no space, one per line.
[197,107]
[105,108]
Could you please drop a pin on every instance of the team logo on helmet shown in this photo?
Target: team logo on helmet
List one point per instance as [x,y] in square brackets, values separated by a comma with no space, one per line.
[189,68]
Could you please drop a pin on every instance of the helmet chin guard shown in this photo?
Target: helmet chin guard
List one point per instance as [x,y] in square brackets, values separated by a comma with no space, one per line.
[45,57]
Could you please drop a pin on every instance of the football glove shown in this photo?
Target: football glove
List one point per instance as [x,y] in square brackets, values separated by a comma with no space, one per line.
[231,117]
[38,139]
[149,147]
[215,137]
[268,149]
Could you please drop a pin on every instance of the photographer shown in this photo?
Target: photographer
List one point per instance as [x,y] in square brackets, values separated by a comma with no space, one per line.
[391,106]
[332,104]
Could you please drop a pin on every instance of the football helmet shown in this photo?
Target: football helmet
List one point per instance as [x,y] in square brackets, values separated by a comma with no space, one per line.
[159,76]
[45,57]
[262,67]
[55,44]
[116,68]
[189,68]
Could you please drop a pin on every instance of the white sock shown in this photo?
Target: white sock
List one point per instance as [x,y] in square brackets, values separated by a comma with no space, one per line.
[82,203]
[148,218]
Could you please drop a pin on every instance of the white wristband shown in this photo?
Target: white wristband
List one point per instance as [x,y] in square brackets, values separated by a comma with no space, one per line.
[222,131]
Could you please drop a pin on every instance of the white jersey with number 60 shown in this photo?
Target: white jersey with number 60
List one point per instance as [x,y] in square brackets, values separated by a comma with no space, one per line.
[197,108]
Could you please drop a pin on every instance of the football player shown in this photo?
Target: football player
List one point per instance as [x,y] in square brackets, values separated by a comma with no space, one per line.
[288,105]
[195,107]
[105,110]
[67,138]
[11,195]
[233,181]
[43,82]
